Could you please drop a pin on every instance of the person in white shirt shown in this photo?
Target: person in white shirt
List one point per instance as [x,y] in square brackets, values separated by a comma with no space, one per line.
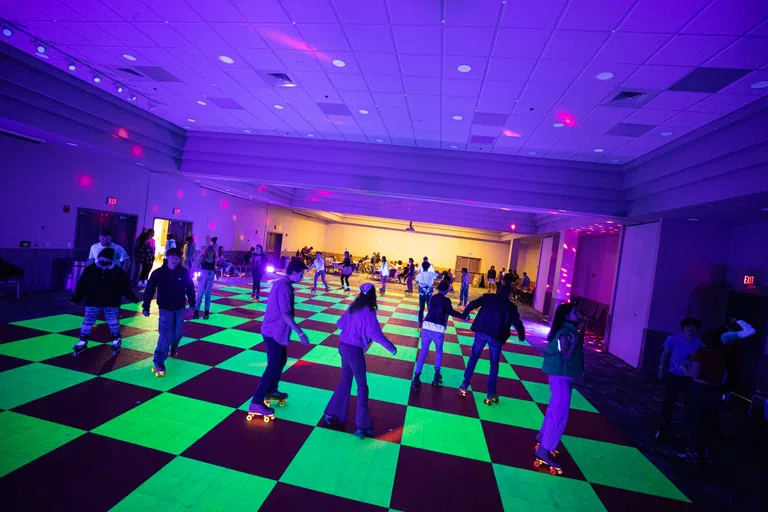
[431,268]
[384,275]
[426,282]
[319,266]
[121,257]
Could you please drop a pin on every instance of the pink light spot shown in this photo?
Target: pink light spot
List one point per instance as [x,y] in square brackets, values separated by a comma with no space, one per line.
[324,193]
[513,227]
[122,133]
[234,217]
[262,188]
[510,133]
[180,193]
[194,237]
[155,208]
[565,245]
[137,151]
[242,237]
[212,225]
[313,199]
[203,192]
[224,203]
[85,181]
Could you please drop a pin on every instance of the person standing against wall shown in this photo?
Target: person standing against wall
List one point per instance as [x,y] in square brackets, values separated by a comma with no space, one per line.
[492,279]
[464,290]
[411,274]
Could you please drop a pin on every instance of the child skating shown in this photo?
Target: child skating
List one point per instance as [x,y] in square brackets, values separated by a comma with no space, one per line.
[175,288]
[359,327]
[433,329]
[103,286]
[276,328]
[563,362]
[319,266]
[384,275]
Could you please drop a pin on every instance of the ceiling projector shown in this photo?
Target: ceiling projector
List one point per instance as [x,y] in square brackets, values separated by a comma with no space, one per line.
[410,227]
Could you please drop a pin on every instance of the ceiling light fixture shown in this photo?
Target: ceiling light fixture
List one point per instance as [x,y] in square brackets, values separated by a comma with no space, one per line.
[129,57]
[71,144]
[119,89]
[40,48]
[614,161]
[666,134]
[339,63]
[757,85]
[464,68]
[453,146]
[201,102]
[42,56]
[187,127]
[599,150]
[97,80]
[693,219]
[132,97]
[363,111]
[247,131]
[191,120]
[605,75]
[532,153]
[765,209]
[458,118]
[379,140]
[278,107]
[558,125]
[226,60]
[310,135]
[7,32]
[71,67]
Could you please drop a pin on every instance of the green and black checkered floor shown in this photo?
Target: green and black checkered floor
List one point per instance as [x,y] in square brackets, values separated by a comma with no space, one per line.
[96,432]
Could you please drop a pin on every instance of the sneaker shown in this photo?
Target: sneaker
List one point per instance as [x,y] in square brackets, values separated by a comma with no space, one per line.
[206,316]
[196,314]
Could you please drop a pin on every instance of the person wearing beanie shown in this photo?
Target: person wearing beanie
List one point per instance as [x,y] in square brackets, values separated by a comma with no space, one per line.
[120,257]
[276,327]
[103,286]
[433,329]
[359,327]
[175,289]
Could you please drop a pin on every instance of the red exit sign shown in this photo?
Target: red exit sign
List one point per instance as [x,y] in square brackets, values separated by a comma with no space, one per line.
[177,211]
[749,280]
[111,200]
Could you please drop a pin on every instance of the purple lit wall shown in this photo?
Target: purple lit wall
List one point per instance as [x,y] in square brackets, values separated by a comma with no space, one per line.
[595,270]
[748,256]
[564,278]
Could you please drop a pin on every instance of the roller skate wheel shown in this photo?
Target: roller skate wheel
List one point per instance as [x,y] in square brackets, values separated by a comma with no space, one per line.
[555,471]
[281,403]
[249,417]
[537,464]
[487,402]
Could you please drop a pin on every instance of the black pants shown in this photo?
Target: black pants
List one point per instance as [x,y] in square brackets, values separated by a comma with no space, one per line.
[144,274]
[673,386]
[423,301]
[256,282]
[701,414]
[343,279]
[276,359]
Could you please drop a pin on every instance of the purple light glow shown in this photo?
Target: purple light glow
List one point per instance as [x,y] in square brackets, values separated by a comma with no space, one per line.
[85,181]
[270,268]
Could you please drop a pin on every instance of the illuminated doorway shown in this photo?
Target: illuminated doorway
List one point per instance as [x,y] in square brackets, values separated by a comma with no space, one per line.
[163,227]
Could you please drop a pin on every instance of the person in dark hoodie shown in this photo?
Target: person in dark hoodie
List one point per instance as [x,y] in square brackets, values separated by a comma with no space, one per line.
[492,324]
[103,286]
[433,329]
[173,284]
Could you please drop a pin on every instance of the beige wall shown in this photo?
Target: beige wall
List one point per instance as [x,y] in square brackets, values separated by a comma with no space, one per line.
[301,231]
[528,260]
[401,245]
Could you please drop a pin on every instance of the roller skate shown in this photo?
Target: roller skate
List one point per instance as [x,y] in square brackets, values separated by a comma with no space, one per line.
[553,453]
[416,382]
[313,290]
[327,290]
[490,400]
[543,457]
[277,396]
[362,433]
[259,409]
[437,380]
[158,372]
[207,315]
[117,344]
[196,314]
[463,389]
[348,290]
[79,347]
[174,352]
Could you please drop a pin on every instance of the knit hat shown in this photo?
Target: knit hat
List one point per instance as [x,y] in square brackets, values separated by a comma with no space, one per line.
[107,253]
[173,251]
[366,287]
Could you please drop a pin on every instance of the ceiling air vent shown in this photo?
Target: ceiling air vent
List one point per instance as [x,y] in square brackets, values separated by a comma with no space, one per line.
[130,72]
[278,80]
[630,98]
[20,136]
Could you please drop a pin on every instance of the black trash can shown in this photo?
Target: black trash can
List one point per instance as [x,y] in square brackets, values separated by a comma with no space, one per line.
[69,272]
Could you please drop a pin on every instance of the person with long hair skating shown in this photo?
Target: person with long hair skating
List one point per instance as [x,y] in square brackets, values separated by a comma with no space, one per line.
[207,265]
[359,327]
[346,270]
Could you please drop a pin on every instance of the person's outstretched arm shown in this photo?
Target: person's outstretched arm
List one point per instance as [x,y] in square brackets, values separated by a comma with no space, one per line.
[374,332]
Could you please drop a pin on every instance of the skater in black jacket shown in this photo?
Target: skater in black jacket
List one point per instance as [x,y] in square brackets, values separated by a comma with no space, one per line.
[103,286]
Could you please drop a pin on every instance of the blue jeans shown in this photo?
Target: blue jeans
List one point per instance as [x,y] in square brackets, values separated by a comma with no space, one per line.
[464,295]
[204,288]
[477,349]
[423,301]
[169,327]
[352,365]
[427,337]
[276,359]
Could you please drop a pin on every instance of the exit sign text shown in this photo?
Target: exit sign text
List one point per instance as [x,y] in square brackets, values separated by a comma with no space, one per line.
[749,280]
[111,200]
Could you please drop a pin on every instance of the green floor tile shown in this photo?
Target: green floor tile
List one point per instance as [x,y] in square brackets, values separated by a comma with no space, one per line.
[401,330]
[516,341]
[510,411]
[234,289]
[466,340]
[325,317]
[340,306]
[147,342]
[305,404]
[216,308]
[198,486]
[39,348]
[256,306]
[531,491]
[445,433]
[457,324]
[450,330]
[26,383]
[327,298]
[410,307]
[148,323]
[523,359]
[386,388]
[132,306]
[310,307]
[541,394]
[483,367]
[26,438]
[245,296]
[404,353]
[57,323]
[386,307]
[449,348]
[251,362]
[323,355]
[350,458]
[235,338]
[406,316]
[315,337]
[140,374]
[619,466]
[168,422]
[225,321]
[452,377]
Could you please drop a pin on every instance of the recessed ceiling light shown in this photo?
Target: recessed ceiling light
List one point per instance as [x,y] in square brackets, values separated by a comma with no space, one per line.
[379,140]
[454,146]
[757,85]
[458,118]
[666,134]
[247,131]
[614,161]
[201,102]
[71,67]
[339,63]
[278,107]
[7,32]
[191,120]
[133,98]
[129,57]
[40,48]
[765,209]
[42,56]
[363,111]
[693,219]
[599,150]
[71,144]
[558,125]
[226,60]
[532,153]
[310,135]
[97,79]
[606,75]
[119,89]
[464,68]
[187,127]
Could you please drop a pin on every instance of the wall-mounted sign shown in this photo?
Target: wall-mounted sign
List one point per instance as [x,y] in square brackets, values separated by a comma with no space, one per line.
[112,200]
[25,244]
[749,280]
[177,211]
[66,208]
